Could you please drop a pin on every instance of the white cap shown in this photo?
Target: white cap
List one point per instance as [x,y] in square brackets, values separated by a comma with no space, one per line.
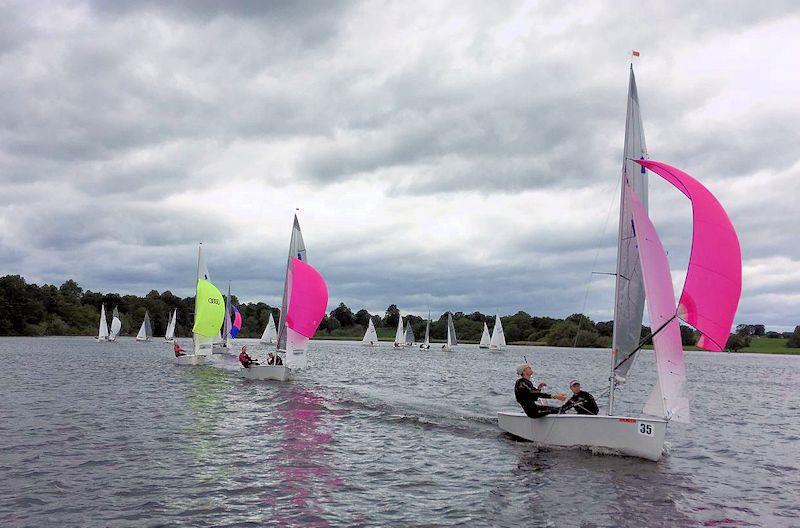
[521,368]
[574,382]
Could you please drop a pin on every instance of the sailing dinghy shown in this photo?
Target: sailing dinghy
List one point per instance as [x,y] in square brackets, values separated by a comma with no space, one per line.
[209,310]
[399,335]
[145,331]
[708,302]
[452,341]
[305,299]
[498,340]
[270,333]
[485,339]
[426,344]
[370,336]
[102,332]
[169,335]
[116,325]
[409,334]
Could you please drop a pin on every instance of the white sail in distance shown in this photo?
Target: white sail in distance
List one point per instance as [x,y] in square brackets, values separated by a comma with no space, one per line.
[451,332]
[399,335]
[297,249]
[629,292]
[498,336]
[145,331]
[116,325]
[270,332]
[485,339]
[370,336]
[427,342]
[409,333]
[170,333]
[102,333]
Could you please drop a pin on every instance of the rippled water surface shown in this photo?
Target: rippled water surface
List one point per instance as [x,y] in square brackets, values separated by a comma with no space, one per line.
[118,435]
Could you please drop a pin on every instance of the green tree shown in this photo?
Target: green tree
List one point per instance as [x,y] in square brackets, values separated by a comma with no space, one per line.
[392,316]
[737,342]
[794,340]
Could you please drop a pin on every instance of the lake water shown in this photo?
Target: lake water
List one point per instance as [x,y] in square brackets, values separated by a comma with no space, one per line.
[118,435]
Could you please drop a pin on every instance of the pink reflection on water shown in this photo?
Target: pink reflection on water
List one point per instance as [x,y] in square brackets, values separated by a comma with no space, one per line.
[303,461]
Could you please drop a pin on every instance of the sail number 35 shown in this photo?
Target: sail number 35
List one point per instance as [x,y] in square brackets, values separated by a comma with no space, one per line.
[645,429]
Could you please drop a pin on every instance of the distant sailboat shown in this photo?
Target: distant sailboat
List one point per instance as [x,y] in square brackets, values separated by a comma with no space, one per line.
[426,344]
[232,324]
[498,336]
[170,333]
[270,332]
[409,333]
[102,333]
[399,335]
[145,331]
[452,341]
[485,339]
[116,325]
[370,336]
[305,299]
[710,296]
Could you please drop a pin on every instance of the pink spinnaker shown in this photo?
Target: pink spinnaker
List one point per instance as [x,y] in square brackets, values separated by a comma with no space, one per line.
[308,300]
[670,398]
[714,279]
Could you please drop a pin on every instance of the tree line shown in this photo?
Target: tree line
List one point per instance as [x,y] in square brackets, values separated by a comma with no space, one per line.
[32,310]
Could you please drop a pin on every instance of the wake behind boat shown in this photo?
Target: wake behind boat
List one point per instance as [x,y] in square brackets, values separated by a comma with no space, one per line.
[708,302]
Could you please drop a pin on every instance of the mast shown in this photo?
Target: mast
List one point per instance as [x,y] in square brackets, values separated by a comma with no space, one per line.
[629,288]
[226,328]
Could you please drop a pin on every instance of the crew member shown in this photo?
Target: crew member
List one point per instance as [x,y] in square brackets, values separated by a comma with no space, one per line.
[178,350]
[245,359]
[527,394]
[581,401]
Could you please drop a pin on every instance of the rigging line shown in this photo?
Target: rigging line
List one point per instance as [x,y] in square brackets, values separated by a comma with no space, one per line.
[644,340]
[596,256]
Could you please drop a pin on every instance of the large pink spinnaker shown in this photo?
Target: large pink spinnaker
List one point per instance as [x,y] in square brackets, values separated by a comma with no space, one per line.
[307,303]
[713,283]
[669,397]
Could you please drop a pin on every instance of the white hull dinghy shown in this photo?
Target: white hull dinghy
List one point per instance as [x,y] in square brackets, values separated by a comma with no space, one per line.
[399,335]
[452,341]
[145,331]
[638,437]
[710,296]
[102,332]
[190,359]
[209,311]
[266,372]
[305,299]
[370,336]
[485,339]
[169,335]
[498,340]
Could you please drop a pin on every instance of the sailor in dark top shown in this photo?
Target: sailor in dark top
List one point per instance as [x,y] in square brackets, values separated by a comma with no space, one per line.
[245,359]
[527,394]
[581,401]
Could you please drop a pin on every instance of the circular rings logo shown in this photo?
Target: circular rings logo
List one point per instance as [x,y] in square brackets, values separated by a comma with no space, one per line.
[213,300]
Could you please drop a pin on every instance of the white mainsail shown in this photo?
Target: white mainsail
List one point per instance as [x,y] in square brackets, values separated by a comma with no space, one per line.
[116,325]
[268,337]
[370,336]
[170,333]
[145,331]
[427,342]
[202,344]
[629,293]
[485,339]
[399,335]
[102,333]
[451,332]
[498,336]
[297,249]
[409,333]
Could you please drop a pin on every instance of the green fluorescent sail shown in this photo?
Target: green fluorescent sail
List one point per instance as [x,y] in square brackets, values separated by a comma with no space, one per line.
[210,309]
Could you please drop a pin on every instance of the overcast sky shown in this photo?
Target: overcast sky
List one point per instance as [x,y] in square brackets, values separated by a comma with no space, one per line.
[445,155]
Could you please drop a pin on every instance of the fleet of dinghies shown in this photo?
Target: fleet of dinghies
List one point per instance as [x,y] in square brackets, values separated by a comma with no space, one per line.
[708,302]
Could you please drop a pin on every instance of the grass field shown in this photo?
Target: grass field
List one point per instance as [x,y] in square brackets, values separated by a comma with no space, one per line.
[765,345]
